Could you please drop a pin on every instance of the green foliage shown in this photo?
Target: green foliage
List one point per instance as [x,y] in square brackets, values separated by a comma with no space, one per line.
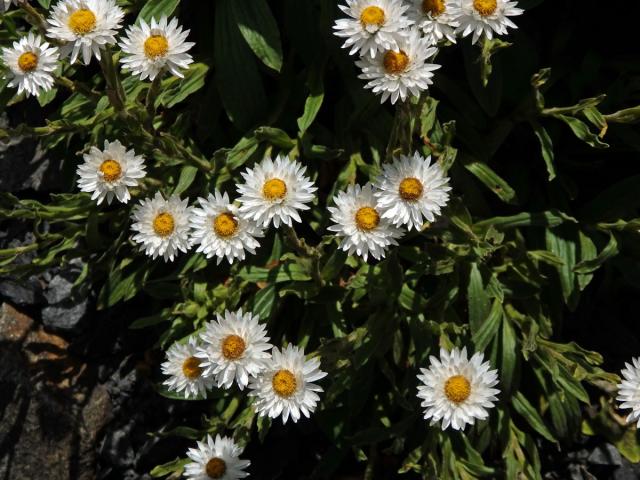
[502,272]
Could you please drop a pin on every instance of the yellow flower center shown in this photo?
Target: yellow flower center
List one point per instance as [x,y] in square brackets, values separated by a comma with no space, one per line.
[233,347]
[457,388]
[284,383]
[163,224]
[156,46]
[395,62]
[410,189]
[274,189]
[111,170]
[367,218]
[225,225]
[82,21]
[485,7]
[28,62]
[433,7]
[191,368]
[372,16]
[215,468]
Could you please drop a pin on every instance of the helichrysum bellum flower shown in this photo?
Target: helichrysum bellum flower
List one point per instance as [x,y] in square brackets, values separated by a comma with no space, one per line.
[149,49]
[398,73]
[457,390]
[486,17]
[359,223]
[220,231]
[85,27]
[110,172]
[435,18]
[216,460]
[234,347]
[373,25]
[286,387]
[30,62]
[274,191]
[410,190]
[629,390]
[162,226]
[185,373]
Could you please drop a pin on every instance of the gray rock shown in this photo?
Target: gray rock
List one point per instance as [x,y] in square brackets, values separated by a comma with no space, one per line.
[605,454]
[65,315]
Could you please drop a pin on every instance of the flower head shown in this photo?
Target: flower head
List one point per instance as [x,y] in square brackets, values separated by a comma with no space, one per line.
[85,26]
[216,460]
[359,223]
[162,226]
[372,25]
[150,49]
[234,347]
[402,71]
[410,190]
[185,372]
[30,62]
[220,231]
[486,17]
[629,390]
[274,191]
[457,390]
[435,18]
[110,172]
[285,388]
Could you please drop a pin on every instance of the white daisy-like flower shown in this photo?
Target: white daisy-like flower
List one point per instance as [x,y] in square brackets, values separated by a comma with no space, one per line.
[396,73]
[410,190]
[286,387]
[629,390]
[185,371]
[235,347]
[162,226]
[372,26]
[149,49]
[486,17]
[274,191]
[110,172]
[220,231]
[216,460]
[436,18]
[85,26]
[359,222]
[457,390]
[30,62]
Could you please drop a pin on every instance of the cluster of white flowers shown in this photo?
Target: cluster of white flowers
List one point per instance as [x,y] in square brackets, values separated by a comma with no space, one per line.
[371,218]
[83,29]
[396,39]
[235,349]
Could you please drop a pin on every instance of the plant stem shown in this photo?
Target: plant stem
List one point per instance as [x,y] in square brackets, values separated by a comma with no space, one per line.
[304,250]
[115,92]
[150,102]
[36,18]
[76,86]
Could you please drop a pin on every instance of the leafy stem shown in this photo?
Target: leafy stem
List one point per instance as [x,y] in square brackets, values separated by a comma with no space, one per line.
[115,92]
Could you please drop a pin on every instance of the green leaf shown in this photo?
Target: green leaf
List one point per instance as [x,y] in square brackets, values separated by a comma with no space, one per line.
[241,90]
[156,9]
[531,415]
[489,327]
[187,176]
[175,466]
[608,252]
[551,218]
[491,179]
[546,145]
[314,100]
[260,31]
[561,242]
[175,90]
[478,300]
[508,356]
[581,130]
